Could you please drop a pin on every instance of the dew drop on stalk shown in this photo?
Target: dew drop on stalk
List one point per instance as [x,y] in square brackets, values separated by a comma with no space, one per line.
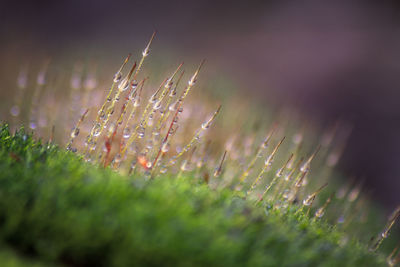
[332,159]
[319,213]
[93,147]
[163,169]
[192,82]
[205,126]
[90,83]
[309,200]
[124,85]
[117,77]
[172,160]
[102,114]
[148,165]
[97,129]
[165,148]
[286,194]
[41,78]
[111,128]
[173,106]
[14,110]
[105,149]
[149,144]
[150,121]
[132,149]
[178,149]
[32,125]
[279,173]
[156,135]
[75,132]
[126,133]
[141,132]
[22,81]
[134,85]
[117,158]
[297,138]
[157,105]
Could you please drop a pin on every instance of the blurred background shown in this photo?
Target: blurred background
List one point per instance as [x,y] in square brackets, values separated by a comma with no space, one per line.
[328,59]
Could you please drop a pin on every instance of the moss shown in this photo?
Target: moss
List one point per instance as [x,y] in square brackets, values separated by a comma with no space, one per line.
[55,208]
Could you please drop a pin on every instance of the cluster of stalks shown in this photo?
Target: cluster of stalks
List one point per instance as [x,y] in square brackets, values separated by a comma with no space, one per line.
[155,130]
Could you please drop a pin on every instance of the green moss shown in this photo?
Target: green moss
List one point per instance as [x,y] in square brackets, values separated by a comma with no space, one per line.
[56,208]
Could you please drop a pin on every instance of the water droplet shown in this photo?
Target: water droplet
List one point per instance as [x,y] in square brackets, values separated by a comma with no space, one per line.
[141,132]
[93,147]
[157,105]
[90,83]
[22,81]
[32,125]
[126,133]
[97,129]
[117,158]
[41,78]
[117,77]
[132,149]
[173,106]
[148,165]
[172,161]
[111,128]
[286,194]
[163,169]
[150,121]
[332,159]
[124,85]
[149,144]
[297,138]
[156,135]
[14,110]
[309,200]
[165,148]
[205,126]
[134,85]
[319,213]
[106,147]
[75,132]
[192,81]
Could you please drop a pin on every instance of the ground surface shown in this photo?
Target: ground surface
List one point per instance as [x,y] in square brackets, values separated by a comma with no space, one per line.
[55,209]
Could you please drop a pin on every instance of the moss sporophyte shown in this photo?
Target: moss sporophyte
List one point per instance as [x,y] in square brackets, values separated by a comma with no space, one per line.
[153,176]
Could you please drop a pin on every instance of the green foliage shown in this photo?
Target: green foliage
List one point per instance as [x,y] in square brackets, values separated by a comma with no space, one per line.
[57,209]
